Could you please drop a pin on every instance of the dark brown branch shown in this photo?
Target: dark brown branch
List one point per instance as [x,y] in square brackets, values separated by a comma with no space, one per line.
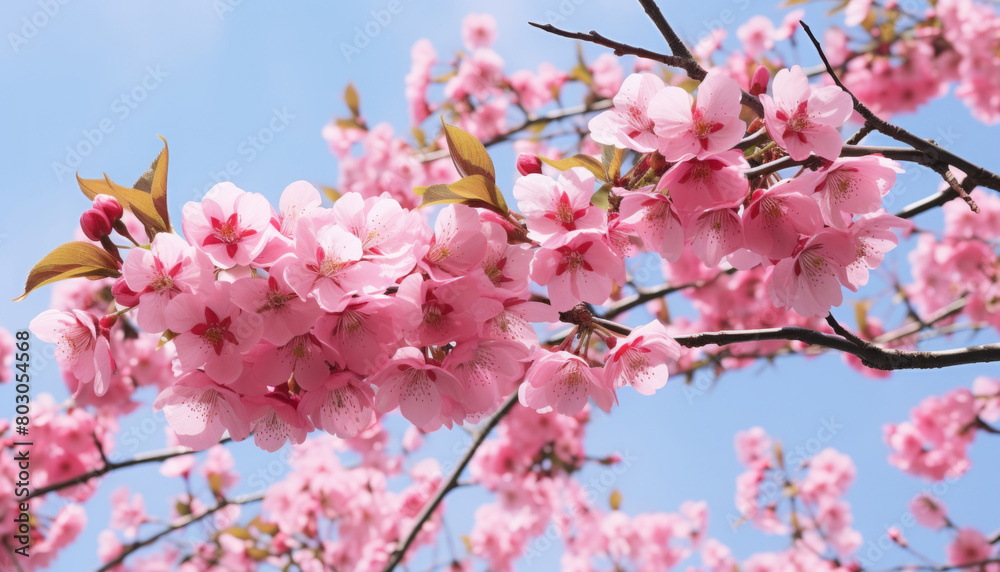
[191,519]
[690,66]
[152,457]
[397,555]
[935,154]
[677,46]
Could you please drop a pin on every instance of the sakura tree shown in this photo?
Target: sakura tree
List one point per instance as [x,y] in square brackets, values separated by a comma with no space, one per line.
[419,293]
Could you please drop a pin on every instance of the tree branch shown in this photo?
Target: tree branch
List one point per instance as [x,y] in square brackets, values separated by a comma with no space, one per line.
[677,46]
[141,459]
[530,121]
[182,523]
[689,65]
[397,555]
[935,154]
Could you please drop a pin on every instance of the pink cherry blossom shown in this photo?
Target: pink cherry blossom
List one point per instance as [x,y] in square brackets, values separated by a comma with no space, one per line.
[81,350]
[327,264]
[873,236]
[851,185]
[627,125]
[809,282]
[562,382]
[212,332]
[802,119]
[557,207]
[777,217]
[200,411]
[641,359]
[479,31]
[297,200]
[656,221]
[341,406]
[929,511]
[716,234]
[416,387]
[458,244]
[170,267]
[488,370]
[687,128]
[699,184]
[127,515]
[580,267]
[971,546]
[229,225]
[757,35]
[283,313]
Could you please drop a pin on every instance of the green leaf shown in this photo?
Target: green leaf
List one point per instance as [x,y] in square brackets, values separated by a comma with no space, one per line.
[353,100]
[469,155]
[580,160]
[71,260]
[600,198]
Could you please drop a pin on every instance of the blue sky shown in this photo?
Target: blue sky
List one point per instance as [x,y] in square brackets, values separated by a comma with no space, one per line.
[88,86]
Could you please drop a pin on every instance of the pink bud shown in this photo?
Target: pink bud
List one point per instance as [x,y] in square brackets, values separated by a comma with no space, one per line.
[897,535]
[109,206]
[528,164]
[106,323]
[124,296]
[758,84]
[95,224]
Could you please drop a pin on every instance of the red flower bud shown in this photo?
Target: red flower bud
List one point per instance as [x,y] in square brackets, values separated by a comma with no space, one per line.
[758,84]
[109,206]
[95,224]
[528,164]
[124,296]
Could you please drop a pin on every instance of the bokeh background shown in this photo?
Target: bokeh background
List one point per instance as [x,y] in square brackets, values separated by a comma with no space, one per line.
[213,76]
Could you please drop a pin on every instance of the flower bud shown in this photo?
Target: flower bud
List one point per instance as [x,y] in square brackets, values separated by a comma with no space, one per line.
[897,536]
[109,206]
[124,296]
[528,164]
[95,224]
[758,84]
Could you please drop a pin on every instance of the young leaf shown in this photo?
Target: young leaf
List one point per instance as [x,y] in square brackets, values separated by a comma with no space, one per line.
[331,193]
[585,161]
[71,260]
[140,203]
[154,182]
[353,100]
[469,155]
[474,190]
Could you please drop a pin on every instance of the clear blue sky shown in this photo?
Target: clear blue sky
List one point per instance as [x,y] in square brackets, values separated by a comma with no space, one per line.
[208,81]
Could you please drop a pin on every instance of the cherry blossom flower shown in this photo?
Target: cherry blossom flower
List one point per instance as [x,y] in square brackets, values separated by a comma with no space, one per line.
[717,181]
[656,221]
[557,207]
[283,313]
[416,387]
[562,382]
[851,185]
[170,267]
[229,225]
[212,332]
[698,128]
[809,282]
[341,406]
[199,411]
[627,125]
[578,268]
[802,119]
[777,217]
[479,31]
[82,351]
[640,360]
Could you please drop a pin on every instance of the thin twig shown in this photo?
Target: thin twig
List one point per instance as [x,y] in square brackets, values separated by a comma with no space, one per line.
[182,523]
[151,457]
[397,555]
[935,154]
